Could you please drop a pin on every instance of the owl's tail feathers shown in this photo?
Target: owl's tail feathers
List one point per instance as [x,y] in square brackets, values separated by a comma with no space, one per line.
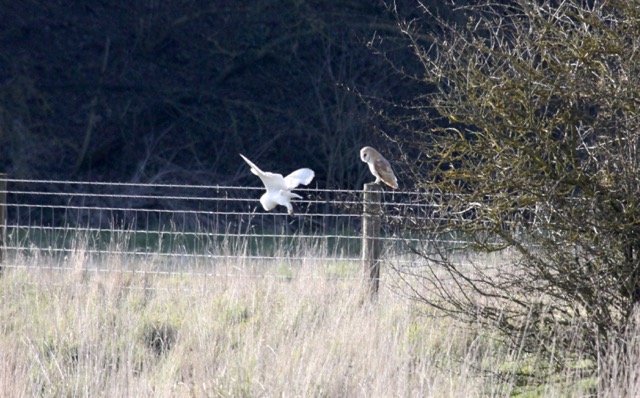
[393,183]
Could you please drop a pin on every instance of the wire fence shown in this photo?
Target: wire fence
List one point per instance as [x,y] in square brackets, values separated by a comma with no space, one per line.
[192,228]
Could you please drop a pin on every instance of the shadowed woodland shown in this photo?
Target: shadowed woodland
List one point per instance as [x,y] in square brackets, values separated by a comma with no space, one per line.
[166,92]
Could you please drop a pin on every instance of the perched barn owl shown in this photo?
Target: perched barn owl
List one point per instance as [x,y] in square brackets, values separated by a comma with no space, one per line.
[379,167]
[279,187]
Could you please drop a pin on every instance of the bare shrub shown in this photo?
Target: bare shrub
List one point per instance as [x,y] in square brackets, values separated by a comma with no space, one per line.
[528,135]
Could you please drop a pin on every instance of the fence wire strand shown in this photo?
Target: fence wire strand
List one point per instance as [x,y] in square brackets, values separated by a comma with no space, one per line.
[193,228]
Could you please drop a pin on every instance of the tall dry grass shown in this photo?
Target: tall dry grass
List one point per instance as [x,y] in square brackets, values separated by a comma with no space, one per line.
[248,332]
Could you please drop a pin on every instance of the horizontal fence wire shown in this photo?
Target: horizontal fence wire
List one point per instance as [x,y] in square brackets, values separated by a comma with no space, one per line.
[197,229]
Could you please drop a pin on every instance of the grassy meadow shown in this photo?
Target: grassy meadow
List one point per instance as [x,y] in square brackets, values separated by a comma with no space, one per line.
[248,331]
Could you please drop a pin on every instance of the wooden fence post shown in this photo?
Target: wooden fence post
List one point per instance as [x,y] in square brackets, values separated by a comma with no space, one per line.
[3,217]
[371,243]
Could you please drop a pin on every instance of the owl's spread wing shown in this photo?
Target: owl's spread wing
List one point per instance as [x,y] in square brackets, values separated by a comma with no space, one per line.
[272,181]
[254,169]
[300,176]
[385,172]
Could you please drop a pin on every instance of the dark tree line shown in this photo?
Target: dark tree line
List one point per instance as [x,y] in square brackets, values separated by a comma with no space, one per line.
[150,91]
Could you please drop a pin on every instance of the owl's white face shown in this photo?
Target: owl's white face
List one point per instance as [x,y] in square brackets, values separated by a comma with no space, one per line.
[364,155]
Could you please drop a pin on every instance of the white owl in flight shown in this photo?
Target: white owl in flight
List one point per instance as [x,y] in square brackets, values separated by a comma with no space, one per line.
[379,167]
[278,187]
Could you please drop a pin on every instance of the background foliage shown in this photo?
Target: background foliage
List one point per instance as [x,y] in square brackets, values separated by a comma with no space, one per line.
[150,91]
